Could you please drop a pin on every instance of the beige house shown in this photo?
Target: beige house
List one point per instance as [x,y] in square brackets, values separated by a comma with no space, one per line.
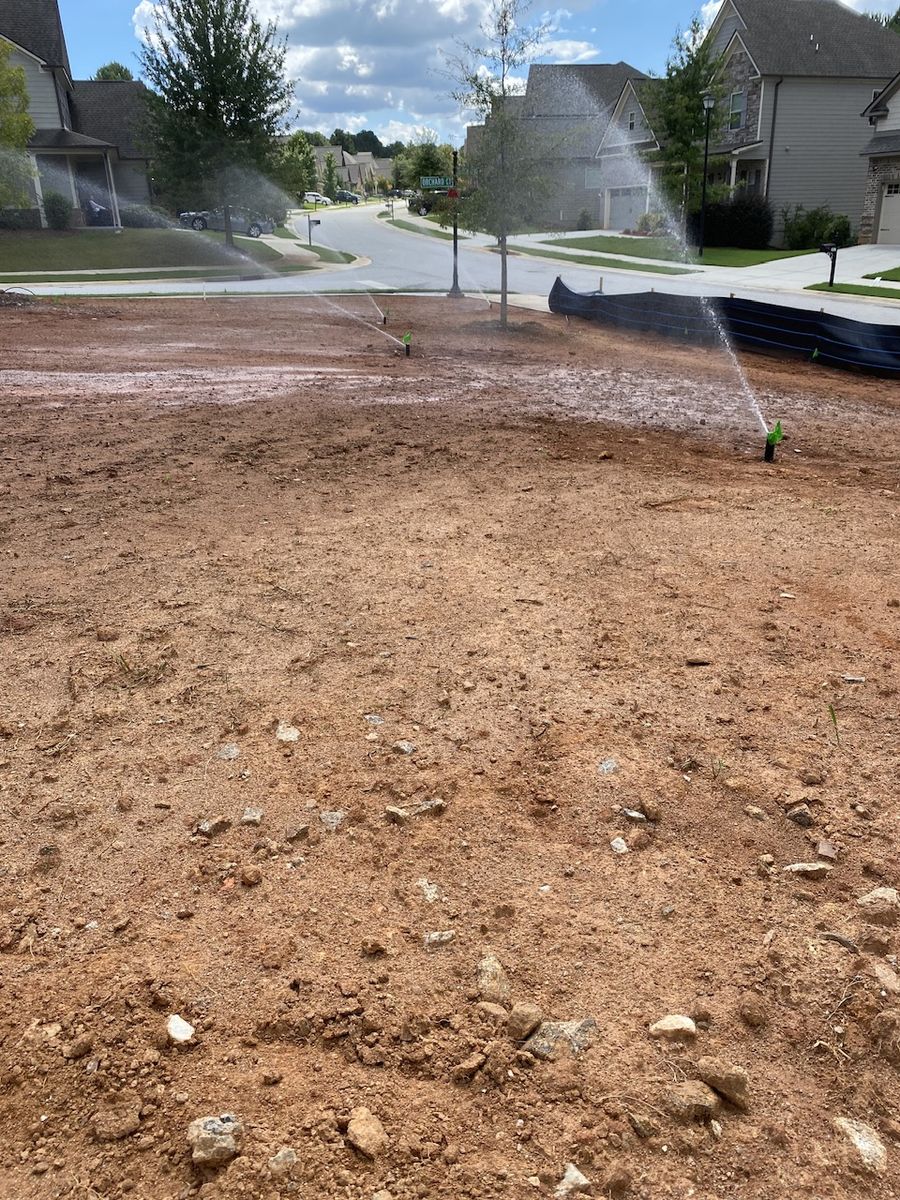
[85,141]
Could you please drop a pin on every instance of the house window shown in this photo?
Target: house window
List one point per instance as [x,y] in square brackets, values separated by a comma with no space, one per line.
[892,189]
[738,104]
[632,120]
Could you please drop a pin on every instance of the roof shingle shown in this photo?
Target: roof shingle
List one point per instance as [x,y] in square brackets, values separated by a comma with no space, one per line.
[111,110]
[35,25]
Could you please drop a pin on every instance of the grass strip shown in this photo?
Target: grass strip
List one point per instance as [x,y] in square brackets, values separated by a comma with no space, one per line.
[857,289]
[614,264]
[668,251]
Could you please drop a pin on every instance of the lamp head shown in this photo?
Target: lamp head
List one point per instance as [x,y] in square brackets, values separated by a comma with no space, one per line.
[709,102]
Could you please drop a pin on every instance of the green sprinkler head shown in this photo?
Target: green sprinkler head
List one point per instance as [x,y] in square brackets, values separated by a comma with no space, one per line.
[407,341]
[774,437]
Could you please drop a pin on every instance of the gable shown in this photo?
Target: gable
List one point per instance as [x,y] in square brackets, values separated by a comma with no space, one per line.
[35,25]
[618,135]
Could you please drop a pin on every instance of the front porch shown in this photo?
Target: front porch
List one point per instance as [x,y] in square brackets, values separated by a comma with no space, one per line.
[78,168]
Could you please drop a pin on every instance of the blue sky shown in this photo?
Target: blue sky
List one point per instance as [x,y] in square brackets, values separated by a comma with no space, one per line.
[377,64]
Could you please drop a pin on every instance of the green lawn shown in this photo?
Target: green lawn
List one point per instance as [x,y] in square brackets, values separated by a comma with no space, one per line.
[668,251]
[326,254]
[616,264]
[894,275]
[411,228]
[859,289]
[102,250]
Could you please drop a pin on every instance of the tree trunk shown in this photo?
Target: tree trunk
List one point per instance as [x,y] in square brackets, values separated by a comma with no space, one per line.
[504,304]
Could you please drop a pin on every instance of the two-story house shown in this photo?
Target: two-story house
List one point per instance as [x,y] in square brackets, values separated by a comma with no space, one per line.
[795,76]
[85,144]
[881,204]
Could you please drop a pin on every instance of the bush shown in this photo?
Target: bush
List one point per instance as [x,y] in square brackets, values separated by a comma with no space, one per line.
[57,210]
[141,216]
[585,220]
[20,218]
[745,221]
[652,224]
[808,229]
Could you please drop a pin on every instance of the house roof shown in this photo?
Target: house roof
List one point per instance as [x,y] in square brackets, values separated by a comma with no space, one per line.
[821,38]
[35,25]
[883,144]
[64,139]
[576,89]
[111,110]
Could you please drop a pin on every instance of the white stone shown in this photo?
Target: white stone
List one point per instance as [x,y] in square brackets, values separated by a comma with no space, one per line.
[440,937]
[673,1027]
[287,733]
[214,1141]
[572,1181]
[180,1031]
[618,846]
[867,1142]
[882,906]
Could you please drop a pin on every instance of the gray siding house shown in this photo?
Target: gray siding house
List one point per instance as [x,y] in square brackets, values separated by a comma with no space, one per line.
[85,140]
[881,204]
[566,109]
[796,74]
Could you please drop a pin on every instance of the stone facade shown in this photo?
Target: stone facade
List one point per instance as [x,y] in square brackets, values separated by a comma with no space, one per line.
[739,75]
[881,171]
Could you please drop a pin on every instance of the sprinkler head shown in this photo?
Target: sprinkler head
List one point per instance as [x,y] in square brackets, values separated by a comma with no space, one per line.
[407,340]
[775,435]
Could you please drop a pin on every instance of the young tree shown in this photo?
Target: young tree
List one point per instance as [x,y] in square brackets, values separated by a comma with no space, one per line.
[674,108]
[330,176]
[424,157]
[294,166]
[504,169]
[218,96]
[113,70]
[888,21]
[16,127]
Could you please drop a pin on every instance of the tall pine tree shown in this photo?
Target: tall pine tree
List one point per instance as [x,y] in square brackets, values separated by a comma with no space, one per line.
[219,93]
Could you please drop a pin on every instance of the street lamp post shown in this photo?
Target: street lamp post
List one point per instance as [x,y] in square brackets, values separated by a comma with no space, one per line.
[455,290]
[709,103]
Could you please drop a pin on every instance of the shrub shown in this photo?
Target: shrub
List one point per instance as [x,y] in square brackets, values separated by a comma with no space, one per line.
[141,216]
[653,223]
[20,218]
[585,220]
[744,220]
[57,210]
[808,229]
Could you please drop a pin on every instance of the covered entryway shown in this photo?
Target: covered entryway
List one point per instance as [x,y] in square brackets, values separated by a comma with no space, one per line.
[889,222]
[625,206]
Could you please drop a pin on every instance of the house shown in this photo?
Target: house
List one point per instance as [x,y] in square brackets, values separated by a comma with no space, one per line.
[566,109]
[85,141]
[881,202]
[795,75]
[623,175]
[354,171]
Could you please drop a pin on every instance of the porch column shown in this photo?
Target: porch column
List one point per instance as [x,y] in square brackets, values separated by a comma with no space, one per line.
[733,180]
[39,194]
[113,198]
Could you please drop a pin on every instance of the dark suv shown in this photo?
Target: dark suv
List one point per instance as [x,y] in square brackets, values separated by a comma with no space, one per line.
[345,197]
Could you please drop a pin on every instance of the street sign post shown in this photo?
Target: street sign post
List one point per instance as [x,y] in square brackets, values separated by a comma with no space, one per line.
[455,289]
[435,181]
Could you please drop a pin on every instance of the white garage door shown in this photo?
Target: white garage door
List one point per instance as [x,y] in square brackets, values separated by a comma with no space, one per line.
[626,207]
[889,225]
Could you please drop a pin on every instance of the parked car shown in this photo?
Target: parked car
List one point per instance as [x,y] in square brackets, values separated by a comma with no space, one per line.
[425,202]
[243,220]
[315,198]
[346,197]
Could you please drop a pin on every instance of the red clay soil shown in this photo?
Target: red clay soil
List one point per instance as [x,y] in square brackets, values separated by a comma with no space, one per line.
[254,558]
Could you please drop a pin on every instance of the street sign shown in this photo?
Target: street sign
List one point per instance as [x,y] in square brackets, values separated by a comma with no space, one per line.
[435,181]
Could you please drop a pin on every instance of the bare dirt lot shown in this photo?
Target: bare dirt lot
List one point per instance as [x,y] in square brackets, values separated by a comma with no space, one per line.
[516,642]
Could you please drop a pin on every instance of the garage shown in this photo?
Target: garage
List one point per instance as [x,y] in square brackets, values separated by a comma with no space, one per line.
[889,224]
[625,207]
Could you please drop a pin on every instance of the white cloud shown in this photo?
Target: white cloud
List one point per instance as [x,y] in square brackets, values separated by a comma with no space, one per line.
[143,20]
[873,6]
[708,12]
[562,50]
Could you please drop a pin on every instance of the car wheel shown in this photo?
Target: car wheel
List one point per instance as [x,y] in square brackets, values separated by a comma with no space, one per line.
[423,210]
[199,224]
[254,231]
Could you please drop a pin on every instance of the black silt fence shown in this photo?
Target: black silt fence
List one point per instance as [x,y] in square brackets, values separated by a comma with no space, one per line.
[768,328]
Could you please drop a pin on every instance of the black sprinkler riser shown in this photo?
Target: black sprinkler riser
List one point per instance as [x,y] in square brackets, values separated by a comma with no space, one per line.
[769,453]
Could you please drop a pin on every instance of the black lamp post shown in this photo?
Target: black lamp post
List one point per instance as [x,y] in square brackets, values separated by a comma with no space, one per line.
[709,103]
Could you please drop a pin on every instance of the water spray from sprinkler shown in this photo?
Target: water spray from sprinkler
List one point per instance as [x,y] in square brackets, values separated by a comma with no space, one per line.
[774,436]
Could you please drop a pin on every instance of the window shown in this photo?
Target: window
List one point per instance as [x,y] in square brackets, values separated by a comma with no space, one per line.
[632,120]
[736,118]
[892,189]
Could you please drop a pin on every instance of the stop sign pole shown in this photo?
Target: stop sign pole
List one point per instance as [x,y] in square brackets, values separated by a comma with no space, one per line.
[455,290]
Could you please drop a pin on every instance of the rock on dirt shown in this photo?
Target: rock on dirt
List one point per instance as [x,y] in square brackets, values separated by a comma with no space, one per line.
[214,1141]
[440,937]
[881,906]
[282,1163]
[493,984]
[808,870]
[118,1119]
[366,1133]
[523,1019]
[728,1080]
[692,1101]
[551,1036]
[867,1143]
[572,1183]
[179,1031]
[674,1028]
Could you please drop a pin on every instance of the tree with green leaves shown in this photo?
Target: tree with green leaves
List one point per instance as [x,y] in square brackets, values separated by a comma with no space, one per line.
[16,127]
[294,165]
[367,141]
[218,96]
[345,140]
[113,70]
[674,109]
[330,179]
[888,21]
[504,169]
